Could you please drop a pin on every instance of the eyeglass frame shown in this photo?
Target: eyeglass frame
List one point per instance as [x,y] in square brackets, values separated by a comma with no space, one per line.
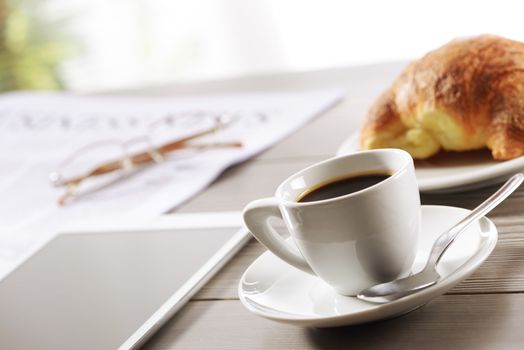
[130,162]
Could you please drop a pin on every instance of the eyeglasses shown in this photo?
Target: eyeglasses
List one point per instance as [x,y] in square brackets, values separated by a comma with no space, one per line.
[100,164]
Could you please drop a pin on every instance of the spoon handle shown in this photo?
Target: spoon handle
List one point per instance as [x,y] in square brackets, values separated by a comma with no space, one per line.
[444,241]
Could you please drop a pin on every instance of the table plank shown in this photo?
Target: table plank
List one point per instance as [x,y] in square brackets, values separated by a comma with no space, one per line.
[503,271]
[492,321]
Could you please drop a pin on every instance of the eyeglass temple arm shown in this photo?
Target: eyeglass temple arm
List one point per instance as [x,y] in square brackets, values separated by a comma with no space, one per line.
[144,158]
[180,143]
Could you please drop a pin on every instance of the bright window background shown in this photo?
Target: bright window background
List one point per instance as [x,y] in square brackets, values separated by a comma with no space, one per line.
[142,42]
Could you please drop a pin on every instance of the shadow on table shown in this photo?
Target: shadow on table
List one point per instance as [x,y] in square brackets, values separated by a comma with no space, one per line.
[451,322]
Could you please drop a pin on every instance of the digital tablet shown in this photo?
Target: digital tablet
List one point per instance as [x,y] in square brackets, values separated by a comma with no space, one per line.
[112,285]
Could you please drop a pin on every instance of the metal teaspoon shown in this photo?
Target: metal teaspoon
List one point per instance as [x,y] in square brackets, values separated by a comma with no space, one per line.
[429,276]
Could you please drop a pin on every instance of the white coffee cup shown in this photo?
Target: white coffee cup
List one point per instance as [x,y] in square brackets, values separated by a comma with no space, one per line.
[353,241]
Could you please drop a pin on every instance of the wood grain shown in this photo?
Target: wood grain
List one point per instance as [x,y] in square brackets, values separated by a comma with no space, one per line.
[449,322]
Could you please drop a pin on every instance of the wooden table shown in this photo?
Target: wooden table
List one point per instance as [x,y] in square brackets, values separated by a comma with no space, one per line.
[484,312]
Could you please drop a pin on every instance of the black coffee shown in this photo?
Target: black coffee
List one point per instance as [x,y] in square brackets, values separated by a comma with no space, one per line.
[341,186]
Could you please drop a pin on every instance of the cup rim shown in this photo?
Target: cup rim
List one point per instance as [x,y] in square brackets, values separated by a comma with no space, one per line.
[396,174]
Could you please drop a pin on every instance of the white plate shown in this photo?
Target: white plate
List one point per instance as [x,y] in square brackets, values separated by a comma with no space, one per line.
[454,171]
[275,290]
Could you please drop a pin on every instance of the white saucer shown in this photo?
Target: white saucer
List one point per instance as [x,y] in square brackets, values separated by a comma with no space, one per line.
[275,290]
[454,171]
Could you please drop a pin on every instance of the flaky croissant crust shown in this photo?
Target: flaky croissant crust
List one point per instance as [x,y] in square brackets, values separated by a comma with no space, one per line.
[468,94]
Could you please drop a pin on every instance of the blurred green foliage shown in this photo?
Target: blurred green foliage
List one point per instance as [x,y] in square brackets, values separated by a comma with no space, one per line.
[32,46]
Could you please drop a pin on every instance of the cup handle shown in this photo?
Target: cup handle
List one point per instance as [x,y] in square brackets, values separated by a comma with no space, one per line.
[256,218]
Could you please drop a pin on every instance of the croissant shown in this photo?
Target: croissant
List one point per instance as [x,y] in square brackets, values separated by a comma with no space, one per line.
[466,95]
